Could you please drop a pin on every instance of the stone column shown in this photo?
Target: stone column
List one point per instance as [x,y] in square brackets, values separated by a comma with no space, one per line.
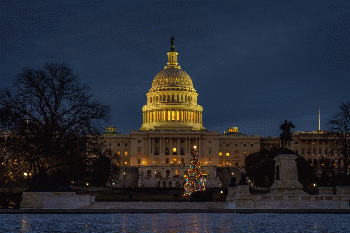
[175,112]
[199,145]
[152,143]
[171,146]
[178,146]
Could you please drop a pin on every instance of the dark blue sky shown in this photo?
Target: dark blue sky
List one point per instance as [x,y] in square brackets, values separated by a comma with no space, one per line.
[254,64]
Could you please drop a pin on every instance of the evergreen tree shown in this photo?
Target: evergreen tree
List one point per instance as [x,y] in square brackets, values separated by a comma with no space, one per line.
[194,180]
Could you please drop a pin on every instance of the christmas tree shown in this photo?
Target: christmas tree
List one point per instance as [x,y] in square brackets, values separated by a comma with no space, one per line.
[194,180]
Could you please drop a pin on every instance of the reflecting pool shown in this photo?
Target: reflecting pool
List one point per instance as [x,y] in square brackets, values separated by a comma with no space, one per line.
[181,222]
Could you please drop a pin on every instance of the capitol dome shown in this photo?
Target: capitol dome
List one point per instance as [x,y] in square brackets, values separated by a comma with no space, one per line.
[172,100]
[172,77]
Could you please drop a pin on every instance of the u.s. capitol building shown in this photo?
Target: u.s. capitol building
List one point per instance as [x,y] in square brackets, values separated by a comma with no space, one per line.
[160,151]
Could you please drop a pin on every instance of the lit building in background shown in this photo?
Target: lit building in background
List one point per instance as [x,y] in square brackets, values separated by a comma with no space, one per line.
[159,154]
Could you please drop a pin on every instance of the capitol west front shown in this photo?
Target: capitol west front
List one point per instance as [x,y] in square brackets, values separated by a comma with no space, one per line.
[159,154]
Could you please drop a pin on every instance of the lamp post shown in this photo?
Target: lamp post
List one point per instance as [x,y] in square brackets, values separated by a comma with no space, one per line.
[124,180]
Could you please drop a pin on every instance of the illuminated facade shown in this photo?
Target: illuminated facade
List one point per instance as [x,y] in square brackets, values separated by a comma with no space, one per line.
[172,126]
[172,100]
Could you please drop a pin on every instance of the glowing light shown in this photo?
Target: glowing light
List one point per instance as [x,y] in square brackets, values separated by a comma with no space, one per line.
[194,180]
[25,174]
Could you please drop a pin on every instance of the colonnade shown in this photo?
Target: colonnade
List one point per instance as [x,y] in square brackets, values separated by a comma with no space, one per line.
[172,115]
[172,97]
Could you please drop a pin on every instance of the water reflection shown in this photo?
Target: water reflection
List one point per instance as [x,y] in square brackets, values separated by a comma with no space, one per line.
[25,227]
[173,223]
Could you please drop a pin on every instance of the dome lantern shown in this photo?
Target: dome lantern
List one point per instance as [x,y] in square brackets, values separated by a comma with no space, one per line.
[172,56]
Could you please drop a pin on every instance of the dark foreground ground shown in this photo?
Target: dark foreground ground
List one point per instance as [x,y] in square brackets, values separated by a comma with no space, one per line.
[12,200]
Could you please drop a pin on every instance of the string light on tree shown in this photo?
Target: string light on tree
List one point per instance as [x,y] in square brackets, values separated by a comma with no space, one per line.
[194,180]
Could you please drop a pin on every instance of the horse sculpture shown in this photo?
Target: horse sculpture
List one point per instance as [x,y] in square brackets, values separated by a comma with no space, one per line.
[286,135]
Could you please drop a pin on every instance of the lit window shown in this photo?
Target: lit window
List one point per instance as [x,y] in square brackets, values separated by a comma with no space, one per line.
[118,152]
[178,115]
[126,163]
[174,149]
[126,153]
[173,115]
[220,153]
[177,173]
[227,154]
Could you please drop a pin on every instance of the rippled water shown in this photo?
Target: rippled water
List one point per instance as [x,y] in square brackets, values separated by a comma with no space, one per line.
[201,222]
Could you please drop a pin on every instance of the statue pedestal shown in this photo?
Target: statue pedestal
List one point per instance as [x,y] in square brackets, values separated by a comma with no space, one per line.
[286,176]
[243,198]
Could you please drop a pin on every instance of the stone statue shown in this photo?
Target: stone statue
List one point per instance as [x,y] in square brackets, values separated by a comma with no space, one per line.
[286,135]
[243,180]
[172,47]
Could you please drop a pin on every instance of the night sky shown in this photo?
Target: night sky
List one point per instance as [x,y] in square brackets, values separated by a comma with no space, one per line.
[253,64]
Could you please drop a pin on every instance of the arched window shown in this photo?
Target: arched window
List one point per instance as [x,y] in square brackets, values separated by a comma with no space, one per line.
[177,173]
[148,173]
[167,174]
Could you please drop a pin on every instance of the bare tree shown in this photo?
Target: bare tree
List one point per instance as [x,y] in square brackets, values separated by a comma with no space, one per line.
[50,118]
[339,134]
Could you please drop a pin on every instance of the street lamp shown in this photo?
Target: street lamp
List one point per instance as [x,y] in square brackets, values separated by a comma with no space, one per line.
[124,180]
